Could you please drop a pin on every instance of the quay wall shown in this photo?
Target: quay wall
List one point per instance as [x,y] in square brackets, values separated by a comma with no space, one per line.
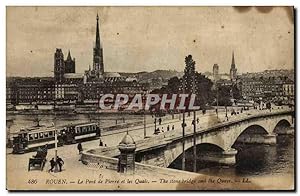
[96,161]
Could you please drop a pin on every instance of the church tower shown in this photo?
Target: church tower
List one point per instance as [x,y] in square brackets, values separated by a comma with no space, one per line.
[216,72]
[233,69]
[59,66]
[70,64]
[98,65]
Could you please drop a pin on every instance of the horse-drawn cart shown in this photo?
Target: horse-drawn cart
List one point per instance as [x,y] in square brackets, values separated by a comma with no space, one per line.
[39,160]
[34,162]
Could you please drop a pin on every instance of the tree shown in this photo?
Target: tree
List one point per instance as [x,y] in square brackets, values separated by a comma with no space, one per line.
[174,85]
[203,85]
[203,88]
[189,74]
[236,92]
[223,95]
[203,91]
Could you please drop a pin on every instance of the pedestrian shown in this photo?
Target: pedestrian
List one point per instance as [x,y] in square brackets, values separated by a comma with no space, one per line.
[60,162]
[52,163]
[162,129]
[197,120]
[168,128]
[159,121]
[79,147]
[193,122]
[172,127]
[101,143]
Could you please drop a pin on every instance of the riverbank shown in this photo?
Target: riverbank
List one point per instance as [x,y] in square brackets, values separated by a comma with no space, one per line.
[93,110]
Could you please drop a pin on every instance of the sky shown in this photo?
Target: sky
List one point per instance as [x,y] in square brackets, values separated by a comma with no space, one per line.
[149,38]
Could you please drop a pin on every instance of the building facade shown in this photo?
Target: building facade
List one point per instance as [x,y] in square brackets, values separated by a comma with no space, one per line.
[34,91]
[267,88]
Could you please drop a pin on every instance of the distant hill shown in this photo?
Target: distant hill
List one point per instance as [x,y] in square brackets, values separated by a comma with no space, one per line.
[162,74]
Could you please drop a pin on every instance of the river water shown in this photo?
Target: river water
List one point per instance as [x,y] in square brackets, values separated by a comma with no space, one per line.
[17,121]
[254,160]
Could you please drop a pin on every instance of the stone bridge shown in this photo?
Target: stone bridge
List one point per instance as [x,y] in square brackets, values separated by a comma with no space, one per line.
[214,143]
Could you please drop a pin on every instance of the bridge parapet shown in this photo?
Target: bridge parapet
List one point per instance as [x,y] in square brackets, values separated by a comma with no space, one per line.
[163,149]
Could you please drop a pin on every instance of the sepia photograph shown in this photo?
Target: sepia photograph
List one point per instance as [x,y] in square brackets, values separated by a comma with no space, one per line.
[150,98]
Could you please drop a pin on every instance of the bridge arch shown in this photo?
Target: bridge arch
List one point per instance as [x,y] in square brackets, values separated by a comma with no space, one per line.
[202,149]
[255,128]
[282,126]
[260,130]
[208,147]
[267,127]
[250,134]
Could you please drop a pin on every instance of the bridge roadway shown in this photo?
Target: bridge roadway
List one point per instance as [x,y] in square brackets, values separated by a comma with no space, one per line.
[113,137]
[150,150]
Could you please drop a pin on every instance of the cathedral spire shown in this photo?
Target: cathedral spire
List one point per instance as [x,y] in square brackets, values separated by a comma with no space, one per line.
[98,65]
[69,56]
[233,62]
[97,34]
[233,70]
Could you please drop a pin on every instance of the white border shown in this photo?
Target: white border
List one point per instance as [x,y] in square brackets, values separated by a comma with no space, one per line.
[5,3]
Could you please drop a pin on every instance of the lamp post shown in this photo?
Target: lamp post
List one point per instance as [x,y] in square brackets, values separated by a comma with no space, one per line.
[183,130]
[183,142]
[154,124]
[226,115]
[55,142]
[194,135]
[217,100]
[144,97]
[55,131]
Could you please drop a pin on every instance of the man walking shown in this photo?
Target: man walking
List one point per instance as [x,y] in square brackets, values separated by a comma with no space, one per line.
[101,142]
[52,163]
[79,147]
[60,162]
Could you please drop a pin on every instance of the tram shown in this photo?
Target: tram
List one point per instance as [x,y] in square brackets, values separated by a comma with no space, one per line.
[32,138]
[73,133]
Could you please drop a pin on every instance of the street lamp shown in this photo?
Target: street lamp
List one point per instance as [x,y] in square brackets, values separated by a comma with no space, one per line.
[215,86]
[144,97]
[194,135]
[183,130]
[154,124]
[55,142]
